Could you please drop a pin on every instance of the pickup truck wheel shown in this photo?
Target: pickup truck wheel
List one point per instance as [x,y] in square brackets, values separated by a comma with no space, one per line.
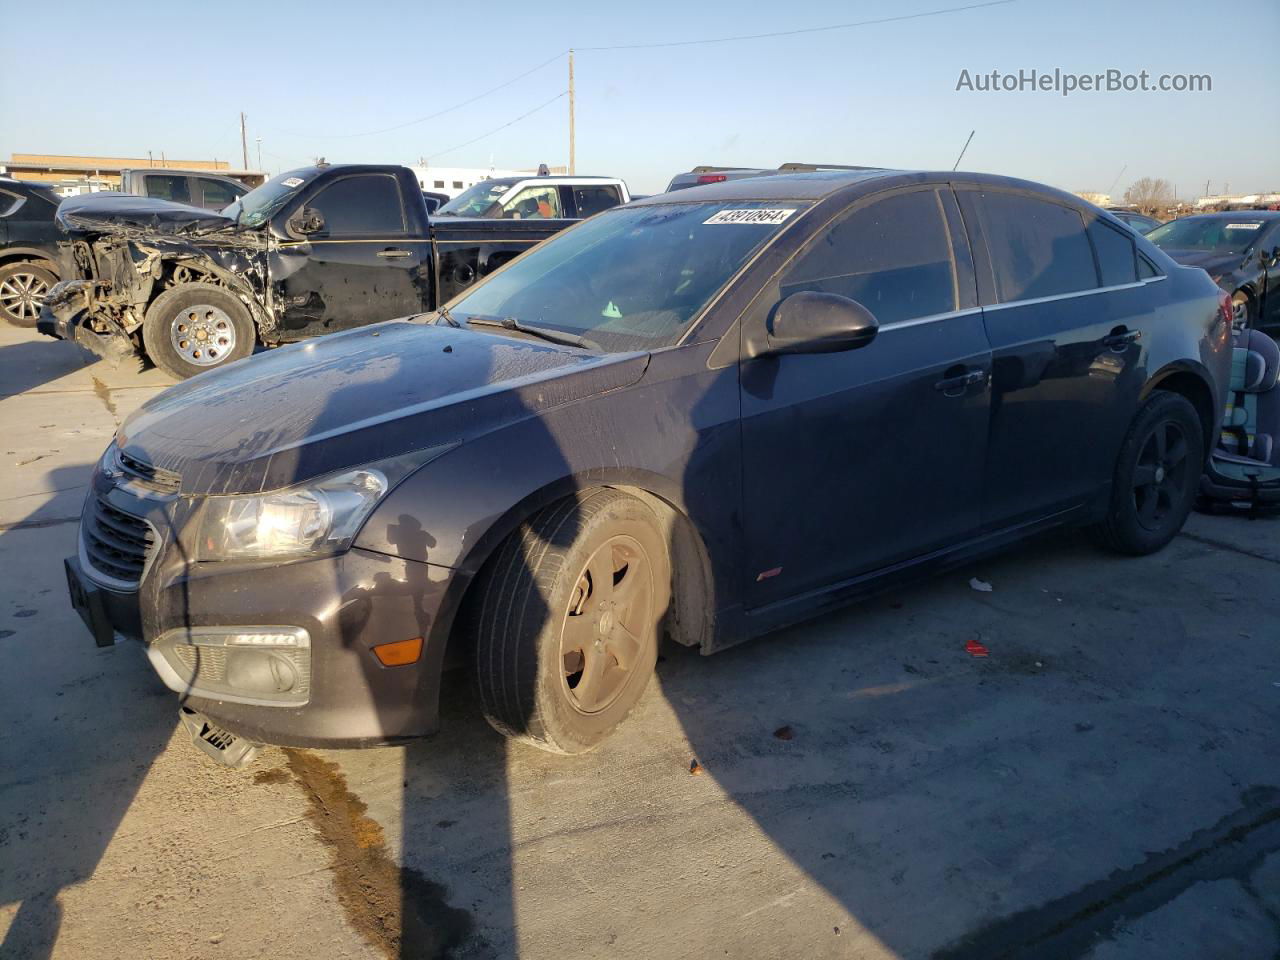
[22,289]
[567,621]
[195,327]
[1157,477]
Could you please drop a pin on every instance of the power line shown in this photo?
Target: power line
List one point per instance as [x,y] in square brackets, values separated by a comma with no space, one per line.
[441,153]
[792,33]
[438,113]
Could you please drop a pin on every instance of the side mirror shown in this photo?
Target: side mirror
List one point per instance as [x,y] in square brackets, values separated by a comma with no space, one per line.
[811,322]
[306,220]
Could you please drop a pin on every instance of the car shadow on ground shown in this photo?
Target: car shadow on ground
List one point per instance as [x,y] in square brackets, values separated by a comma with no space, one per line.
[80,726]
[29,364]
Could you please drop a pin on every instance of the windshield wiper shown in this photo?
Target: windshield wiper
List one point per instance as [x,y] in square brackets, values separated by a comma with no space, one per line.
[448,317]
[542,333]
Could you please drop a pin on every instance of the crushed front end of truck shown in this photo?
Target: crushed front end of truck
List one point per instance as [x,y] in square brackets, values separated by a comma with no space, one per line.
[121,252]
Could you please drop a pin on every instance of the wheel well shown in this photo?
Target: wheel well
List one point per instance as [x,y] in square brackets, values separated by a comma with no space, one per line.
[45,262]
[1197,391]
[690,619]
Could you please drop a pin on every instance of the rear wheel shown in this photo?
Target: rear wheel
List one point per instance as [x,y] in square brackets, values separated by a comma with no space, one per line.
[1242,317]
[195,327]
[22,289]
[567,621]
[1157,476]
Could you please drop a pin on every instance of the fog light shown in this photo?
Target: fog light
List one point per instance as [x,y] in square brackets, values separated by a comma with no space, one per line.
[399,653]
[268,666]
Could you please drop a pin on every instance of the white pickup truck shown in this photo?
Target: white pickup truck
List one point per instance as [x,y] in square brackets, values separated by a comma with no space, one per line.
[537,198]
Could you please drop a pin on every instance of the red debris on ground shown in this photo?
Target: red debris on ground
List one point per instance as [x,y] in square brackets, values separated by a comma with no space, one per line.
[975,649]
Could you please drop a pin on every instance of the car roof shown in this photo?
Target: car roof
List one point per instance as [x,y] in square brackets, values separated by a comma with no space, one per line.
[818,185]
[1235,214]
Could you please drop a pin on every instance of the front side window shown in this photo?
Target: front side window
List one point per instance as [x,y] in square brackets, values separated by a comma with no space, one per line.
[1038,248]
[893,256]
[533,203]
[1115,253]
[633,277]
[593,200]
[165,187]
[477,200]
[360,206]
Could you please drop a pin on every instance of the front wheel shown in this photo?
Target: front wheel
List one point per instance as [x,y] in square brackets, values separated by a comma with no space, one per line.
[1157,476]
[195,327]
[567,620]
[1242,317]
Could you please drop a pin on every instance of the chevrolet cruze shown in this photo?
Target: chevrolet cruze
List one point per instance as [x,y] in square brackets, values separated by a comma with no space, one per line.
[701,416]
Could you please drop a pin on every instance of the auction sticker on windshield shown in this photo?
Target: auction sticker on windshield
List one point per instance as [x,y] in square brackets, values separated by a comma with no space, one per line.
[1244,226]
[750,215]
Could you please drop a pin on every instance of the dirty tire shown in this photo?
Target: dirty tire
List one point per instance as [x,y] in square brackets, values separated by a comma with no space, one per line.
[22,288]
[1157,477]
[175,309]
[539,600]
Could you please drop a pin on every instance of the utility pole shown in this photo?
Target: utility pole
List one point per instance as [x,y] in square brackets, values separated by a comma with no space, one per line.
[244,143]
[259,139]
[571,131]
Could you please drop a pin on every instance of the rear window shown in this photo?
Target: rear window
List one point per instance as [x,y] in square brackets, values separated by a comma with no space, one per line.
[1038,248]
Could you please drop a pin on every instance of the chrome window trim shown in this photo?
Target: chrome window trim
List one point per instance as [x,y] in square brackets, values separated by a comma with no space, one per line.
[929,318]
[1075,293]
[19,200]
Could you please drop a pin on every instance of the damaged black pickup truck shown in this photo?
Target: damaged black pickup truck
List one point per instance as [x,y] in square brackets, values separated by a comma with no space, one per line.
[311,251]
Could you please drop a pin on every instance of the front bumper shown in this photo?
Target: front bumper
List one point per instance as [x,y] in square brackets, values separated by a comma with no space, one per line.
[64,314]
[346,604]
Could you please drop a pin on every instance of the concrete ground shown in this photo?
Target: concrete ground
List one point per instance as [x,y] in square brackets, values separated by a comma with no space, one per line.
[1105,784]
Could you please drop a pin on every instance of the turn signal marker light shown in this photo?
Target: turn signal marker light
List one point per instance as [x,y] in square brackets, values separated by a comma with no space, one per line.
[399,653]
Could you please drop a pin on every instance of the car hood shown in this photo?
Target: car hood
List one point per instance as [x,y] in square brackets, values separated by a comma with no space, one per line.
[354,398]
[1209,260]
[125,213]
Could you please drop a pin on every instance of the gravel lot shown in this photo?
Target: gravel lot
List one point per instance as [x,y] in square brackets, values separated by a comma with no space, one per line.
[1105,784]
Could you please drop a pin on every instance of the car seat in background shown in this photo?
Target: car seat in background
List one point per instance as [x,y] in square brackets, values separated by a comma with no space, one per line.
[1244,469]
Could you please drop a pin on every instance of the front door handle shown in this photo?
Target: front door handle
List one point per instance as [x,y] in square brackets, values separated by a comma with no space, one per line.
[1121,338]
[956,384]
[392,253]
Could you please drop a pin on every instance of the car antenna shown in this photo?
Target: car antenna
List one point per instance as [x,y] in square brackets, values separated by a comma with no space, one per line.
[963,149]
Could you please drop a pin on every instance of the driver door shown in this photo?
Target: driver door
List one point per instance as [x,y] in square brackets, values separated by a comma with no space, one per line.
[858,460]
[364,264]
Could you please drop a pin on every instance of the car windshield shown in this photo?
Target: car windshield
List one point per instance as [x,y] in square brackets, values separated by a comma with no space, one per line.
[1217,234]
[474,201]
[261,203]
[632,277]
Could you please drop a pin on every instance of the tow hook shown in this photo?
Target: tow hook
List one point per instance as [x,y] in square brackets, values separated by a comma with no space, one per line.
[218,743]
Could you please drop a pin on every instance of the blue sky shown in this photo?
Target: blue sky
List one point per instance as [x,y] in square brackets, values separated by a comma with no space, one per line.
[308,75]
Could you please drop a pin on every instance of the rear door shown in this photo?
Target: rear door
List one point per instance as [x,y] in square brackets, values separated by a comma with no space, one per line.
[590,199]
[854,461]
[1068,321]
[366,265]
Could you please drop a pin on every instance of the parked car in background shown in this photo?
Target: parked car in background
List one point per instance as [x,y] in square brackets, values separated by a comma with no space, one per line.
[703,175]
[706,414]
[1240,250]
[311,251]
[196,188]
[537,198]
[434,201]
[28,249]
[1139,221]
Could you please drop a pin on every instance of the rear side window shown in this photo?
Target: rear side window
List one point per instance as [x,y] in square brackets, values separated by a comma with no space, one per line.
[1038,248]
[893,256]
[165,187]
[217,194]
[591,200]
[358,206]
[9,202]
[1115,254]
[1146,269]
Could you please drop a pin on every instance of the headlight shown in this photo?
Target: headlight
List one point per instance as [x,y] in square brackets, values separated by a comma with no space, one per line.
[319,517]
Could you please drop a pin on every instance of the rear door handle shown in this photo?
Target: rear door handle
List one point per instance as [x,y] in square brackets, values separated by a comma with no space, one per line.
[1119,340]
[956,385]
[393,253]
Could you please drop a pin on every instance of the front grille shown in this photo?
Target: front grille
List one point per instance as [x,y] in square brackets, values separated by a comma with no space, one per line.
[166,481]
[116,544]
